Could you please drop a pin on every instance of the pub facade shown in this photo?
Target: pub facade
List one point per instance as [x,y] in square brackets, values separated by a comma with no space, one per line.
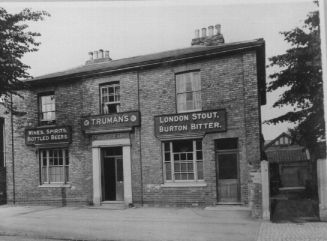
[177,128]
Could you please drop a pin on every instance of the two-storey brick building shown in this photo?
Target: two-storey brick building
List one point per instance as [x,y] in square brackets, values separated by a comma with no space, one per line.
[180,127]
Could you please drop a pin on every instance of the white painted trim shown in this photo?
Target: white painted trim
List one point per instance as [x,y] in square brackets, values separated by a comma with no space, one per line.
[111,142]
[55,185]
[184,184]
[127,175]
[96,159]
[96,165]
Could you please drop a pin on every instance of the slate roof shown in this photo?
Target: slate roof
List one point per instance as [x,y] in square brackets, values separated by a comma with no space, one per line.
[143,60]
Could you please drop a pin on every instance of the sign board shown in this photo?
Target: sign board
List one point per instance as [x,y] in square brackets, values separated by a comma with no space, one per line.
[111,121]
[48,135]
[193,122]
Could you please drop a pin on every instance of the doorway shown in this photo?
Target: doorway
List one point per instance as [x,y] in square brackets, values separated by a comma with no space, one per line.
[227,170]
[112,174]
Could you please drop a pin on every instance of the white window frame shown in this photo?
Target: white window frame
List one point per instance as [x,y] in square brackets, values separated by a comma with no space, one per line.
[47,166]
[51,106]
[116,96]
[172,161]
[185,92]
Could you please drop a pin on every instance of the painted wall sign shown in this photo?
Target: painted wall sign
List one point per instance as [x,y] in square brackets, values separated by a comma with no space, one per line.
[111,121]
[193,122]
[48,135]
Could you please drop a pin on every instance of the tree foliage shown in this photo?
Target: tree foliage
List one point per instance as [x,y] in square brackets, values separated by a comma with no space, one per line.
[300,73]
[15,42]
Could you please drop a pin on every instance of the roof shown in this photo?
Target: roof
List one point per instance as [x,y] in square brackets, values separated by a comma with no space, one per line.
[150,60]
[286,155]
[286,140]
[284,149]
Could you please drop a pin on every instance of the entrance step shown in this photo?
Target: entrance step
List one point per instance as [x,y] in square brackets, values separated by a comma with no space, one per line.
[230,212]
[226,207]
[111,206]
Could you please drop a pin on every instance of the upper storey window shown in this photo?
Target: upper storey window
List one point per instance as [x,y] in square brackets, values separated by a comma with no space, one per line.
[188,91]
[47,109]
[110,98]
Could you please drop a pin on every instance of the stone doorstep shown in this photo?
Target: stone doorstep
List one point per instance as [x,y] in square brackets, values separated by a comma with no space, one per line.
[110,205]
[228,207]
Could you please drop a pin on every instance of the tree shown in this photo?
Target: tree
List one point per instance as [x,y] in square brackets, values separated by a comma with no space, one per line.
[300,73]
[15,42]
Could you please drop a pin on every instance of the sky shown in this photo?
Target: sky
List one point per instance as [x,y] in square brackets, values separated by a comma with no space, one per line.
[131,28]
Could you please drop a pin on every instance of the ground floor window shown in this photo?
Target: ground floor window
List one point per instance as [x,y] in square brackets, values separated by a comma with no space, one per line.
[183,160]
[54,166]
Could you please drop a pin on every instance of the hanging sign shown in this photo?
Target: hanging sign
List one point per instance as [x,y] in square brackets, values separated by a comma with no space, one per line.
[110,122]
[48,135]
[193,122]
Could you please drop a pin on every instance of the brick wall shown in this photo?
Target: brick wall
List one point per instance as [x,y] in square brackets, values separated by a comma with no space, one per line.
[227,82]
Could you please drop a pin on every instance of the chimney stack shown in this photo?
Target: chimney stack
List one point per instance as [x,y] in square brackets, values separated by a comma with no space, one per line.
[208,40]
[91,56]
[210,28]
[218,28]
[98,57]
[101,53]
[204,32]
[96,54]
[107,54]
[197,33]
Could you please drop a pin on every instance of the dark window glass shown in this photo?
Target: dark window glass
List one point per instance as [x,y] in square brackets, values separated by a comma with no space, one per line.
[226,144]
[227,165]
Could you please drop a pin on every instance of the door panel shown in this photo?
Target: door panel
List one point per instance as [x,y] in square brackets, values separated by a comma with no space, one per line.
[227,177]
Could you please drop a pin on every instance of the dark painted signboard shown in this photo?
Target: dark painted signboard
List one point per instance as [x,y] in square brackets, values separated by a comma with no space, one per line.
[193,122]
[110,122]
[48,135]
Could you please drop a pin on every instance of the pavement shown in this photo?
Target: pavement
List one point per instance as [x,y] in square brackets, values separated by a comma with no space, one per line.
[306,231]
[44,223]
[155,224]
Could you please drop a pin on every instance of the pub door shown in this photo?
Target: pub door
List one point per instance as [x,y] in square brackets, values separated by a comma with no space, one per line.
[227,173]
[112,174]
[228,180]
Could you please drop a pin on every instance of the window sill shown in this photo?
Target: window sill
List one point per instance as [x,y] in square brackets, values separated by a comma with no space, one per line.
[184,184]
[56,185]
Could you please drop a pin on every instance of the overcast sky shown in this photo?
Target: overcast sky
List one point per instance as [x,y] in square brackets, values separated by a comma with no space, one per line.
[130,28]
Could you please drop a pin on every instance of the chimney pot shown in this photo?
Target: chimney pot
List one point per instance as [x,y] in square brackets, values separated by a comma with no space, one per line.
[91,55]
[106,54]
[210,28]
[218,28]
[95,55]
[101,53]
[204,32]
[197,33]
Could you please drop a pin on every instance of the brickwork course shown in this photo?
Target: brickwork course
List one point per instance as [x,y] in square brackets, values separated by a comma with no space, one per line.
[232,78]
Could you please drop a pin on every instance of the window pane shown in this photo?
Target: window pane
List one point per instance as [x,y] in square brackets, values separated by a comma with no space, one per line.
[166,146]
[196,82]
[227,166]
[56,165]
[199,145]
[110,97]
[168,171]
[199,155]
[226,144]
[183,146]
[167,156]
[200,170]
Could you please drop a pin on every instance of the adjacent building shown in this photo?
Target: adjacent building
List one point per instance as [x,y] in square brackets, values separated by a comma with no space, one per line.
[177,128]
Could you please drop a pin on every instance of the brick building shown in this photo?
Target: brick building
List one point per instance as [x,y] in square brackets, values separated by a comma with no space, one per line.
[178,128]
